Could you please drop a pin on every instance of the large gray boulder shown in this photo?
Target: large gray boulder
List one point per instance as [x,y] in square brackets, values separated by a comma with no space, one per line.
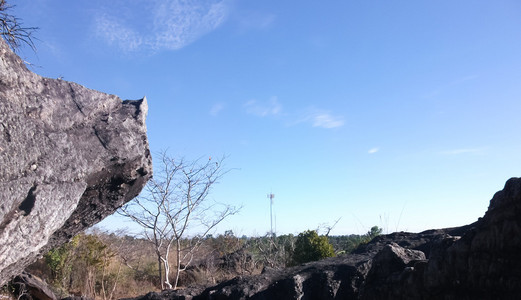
[69,156]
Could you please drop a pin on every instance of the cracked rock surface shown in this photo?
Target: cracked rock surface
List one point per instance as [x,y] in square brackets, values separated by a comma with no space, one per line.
[69,156]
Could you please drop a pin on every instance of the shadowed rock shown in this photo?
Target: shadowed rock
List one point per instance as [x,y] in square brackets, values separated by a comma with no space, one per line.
[27,286]
[69,157]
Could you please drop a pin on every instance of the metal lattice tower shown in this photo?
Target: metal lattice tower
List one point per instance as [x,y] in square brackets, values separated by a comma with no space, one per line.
[271,196]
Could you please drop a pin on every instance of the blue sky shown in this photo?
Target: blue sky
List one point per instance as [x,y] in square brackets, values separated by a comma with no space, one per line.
[401,114]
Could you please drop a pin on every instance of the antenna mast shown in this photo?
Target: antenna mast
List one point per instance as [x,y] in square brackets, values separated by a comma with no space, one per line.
[271,196]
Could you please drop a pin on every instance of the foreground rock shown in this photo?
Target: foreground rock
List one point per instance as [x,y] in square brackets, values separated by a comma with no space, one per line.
[478,261]
[69,156]
[26,284]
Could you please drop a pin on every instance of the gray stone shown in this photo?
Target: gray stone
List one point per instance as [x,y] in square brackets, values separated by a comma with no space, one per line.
[389,268]
[69,157]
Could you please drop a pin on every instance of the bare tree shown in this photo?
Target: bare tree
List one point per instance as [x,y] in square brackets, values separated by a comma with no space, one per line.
[328,227]
[149,212]
[12,29]
[174,206]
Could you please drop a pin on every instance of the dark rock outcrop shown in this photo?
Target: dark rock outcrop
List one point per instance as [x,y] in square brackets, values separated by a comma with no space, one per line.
[477,261]
[69,157]
[26,284]
[485,263]
[389,268]
[336,278]
[482,263]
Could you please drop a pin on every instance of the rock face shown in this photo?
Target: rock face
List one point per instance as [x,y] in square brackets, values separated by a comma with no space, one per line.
[478,261]
[485,262]
[69,157]
[28,284]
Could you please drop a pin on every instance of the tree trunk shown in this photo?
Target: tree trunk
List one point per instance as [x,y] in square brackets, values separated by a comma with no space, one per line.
[160,267]
[167,272]
[178,263]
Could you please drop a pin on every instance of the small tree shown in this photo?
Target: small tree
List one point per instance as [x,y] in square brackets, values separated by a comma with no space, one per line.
[174,206]
[311,247]
[374,232]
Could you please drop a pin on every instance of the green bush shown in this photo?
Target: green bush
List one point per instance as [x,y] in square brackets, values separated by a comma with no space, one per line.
[311,247]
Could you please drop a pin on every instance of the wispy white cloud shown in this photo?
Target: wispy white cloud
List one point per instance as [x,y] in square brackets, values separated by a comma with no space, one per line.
[272,107]
[463,151]
[165,25]
[326,120]
[373,150]
[319,118]
[216,109]
[312,116]
[178,23]
[114,32]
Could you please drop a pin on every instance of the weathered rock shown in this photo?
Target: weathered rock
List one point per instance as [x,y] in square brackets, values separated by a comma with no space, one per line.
[484,263]
[476,261]
[423,241]
[69,156]
[28,286]
[389,268]
[334,278]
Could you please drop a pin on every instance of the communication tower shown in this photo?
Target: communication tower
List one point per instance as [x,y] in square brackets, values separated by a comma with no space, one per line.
[271,196]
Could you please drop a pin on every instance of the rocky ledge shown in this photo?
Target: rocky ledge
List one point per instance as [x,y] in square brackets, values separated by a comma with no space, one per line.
[477,261]
[69,156]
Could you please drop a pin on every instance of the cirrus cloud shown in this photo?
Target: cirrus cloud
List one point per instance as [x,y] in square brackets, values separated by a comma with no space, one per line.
[162,25]
[311,116]
[320,118]
[326,120]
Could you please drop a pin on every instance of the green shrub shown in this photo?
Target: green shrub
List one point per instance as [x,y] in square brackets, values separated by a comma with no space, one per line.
[311,247]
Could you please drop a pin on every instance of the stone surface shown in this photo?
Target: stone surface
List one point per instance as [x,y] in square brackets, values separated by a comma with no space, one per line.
[485,262]
[69,156]
[334,278]
[389,268]
[477,261]
[28,286]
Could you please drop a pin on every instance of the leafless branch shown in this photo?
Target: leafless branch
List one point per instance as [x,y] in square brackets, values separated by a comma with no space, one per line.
[174,205]
[12,29]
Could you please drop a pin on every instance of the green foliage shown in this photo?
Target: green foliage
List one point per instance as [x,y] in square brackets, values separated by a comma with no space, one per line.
[347,243]
[374,232]
[93,251]
[114,266]
[226,243]
[272,251]
[311,247]
[286,244]
[59,261]
[77,261]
